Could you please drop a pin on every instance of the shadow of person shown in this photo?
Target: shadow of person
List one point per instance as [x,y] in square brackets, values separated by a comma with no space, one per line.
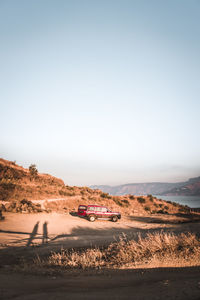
[33,234]
[45,233]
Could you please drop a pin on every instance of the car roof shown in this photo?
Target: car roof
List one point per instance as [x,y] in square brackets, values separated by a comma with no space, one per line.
[96,205]
[93,205]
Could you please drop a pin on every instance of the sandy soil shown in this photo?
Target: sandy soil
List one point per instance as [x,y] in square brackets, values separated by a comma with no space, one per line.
[21,236]
[67,229]
[72,231]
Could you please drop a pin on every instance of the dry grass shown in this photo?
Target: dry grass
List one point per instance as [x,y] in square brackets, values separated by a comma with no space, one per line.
[155,250]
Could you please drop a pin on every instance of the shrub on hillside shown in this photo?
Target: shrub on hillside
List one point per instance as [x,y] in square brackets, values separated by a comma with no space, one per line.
[65,193]
[161,211]
[33,170]
[2,207]
[125,202]
[117,201]
[147,208]
[141,200]
[150,197]
[7,185]
[131,197]
[105,195]
[23,206]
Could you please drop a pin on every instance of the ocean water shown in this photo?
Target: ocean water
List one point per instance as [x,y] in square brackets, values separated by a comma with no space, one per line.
[191,201]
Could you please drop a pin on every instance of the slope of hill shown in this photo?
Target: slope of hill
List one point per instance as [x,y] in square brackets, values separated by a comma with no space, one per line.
[17,184]
[188,188]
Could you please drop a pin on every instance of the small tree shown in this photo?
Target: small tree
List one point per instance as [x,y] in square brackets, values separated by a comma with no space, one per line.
[33,170]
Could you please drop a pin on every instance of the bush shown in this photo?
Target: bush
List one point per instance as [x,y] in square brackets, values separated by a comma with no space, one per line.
[23,206]
[125,203]
[33,170]
[105,195]
[161,211]
[147,208]
[168,201]
[131,197]
[141,200]
[150,197]
[117,201]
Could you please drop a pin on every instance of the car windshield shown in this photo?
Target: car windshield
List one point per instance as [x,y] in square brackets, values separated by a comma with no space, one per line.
[82,207]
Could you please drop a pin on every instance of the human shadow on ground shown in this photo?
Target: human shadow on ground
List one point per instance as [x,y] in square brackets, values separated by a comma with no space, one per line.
[45,233]
[15,232]
[33,234]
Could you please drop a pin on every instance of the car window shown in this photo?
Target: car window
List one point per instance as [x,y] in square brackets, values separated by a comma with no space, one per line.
[98,208]
[104,209]
[91,208]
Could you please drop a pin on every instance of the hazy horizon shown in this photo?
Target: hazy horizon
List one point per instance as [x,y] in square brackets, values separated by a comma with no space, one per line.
[101,92]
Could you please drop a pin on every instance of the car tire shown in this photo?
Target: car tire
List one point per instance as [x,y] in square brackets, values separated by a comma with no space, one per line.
[92,218]
[114,218]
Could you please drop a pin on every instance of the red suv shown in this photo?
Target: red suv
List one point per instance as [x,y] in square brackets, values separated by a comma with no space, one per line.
[93,212]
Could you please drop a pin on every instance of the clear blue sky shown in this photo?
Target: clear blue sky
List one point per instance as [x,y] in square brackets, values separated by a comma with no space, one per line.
[101,92]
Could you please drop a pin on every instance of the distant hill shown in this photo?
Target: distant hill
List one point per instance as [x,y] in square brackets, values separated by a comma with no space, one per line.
[188,188]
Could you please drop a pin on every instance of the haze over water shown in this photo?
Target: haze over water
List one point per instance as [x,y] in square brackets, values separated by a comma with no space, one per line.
[191,201]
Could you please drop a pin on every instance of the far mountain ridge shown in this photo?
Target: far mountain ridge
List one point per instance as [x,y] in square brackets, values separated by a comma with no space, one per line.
[187,188]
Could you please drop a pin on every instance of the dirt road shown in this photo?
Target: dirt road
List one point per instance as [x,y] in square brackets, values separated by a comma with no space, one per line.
[151,284]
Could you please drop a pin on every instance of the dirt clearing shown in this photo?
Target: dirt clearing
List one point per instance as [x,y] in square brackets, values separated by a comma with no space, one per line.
[24,235]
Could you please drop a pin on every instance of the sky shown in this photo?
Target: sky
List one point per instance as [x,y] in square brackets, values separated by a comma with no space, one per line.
[101,92]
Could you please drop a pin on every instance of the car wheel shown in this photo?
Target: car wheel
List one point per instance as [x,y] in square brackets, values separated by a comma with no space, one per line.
[114,218]
[91,218]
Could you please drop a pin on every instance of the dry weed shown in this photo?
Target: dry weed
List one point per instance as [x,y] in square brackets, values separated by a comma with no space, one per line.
[154,250]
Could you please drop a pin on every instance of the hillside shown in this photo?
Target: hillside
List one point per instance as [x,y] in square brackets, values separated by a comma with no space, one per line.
[188,188]
[17,184]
